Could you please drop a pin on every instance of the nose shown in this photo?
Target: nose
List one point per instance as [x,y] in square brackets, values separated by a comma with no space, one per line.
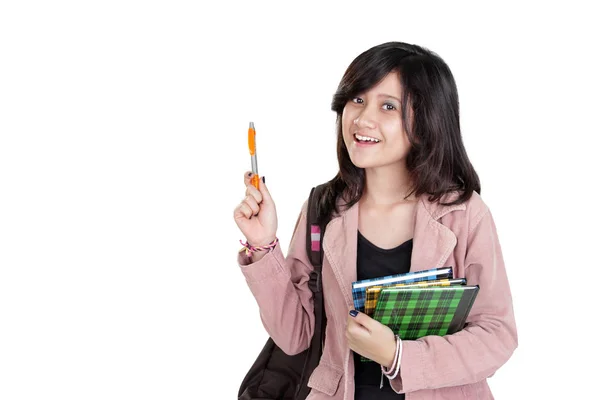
[365,119]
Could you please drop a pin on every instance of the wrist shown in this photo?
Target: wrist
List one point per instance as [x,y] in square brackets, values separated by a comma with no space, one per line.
[390,354]
[251,249]
[392,370]
[263,242]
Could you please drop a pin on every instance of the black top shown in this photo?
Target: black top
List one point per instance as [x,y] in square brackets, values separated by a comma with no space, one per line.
[375,262]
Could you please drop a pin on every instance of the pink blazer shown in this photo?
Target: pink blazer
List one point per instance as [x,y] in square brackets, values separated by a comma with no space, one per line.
[450,367]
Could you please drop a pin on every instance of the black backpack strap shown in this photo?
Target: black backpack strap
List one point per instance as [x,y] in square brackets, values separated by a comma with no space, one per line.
[314,237]
[314,249]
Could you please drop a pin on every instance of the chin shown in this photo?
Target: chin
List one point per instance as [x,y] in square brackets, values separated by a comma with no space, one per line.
[374,162]
[364,163]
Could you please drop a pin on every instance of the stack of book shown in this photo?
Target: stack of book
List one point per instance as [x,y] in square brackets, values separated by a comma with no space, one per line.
[417,304]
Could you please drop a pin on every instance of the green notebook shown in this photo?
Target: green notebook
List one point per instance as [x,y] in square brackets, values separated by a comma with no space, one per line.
[414,312]
[373,291]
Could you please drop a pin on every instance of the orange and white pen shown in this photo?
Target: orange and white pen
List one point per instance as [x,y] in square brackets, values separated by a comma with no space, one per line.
[252,148]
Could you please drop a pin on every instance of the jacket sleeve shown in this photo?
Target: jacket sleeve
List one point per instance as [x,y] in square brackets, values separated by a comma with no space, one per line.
[280,286]
[490,336]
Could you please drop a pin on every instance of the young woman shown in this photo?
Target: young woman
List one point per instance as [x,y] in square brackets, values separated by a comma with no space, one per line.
[406,198]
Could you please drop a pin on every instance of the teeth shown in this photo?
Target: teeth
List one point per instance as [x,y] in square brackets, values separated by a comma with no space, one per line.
[366,138]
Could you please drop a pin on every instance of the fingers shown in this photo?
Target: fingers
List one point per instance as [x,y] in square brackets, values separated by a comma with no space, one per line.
[247,177]
[243,210]
[249,206]
[255,193]
[355,330]
[265,195]
[361,319]
[251,202]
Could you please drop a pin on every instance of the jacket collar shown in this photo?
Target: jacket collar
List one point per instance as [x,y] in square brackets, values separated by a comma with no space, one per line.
[432,242]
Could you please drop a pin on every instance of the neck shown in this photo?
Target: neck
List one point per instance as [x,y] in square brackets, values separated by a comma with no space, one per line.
[388,185]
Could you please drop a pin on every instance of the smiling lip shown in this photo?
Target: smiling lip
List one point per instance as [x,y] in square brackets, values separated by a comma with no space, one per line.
[364,143]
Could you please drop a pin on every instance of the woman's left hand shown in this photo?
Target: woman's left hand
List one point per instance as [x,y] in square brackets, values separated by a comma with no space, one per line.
[371,339]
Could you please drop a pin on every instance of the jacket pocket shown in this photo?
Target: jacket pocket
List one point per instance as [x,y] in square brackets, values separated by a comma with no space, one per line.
[325,378]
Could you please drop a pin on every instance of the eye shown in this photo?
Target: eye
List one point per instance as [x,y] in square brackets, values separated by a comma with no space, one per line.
[389,106]
[357,100]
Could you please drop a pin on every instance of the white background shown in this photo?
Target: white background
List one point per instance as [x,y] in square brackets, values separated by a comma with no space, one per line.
[123,143]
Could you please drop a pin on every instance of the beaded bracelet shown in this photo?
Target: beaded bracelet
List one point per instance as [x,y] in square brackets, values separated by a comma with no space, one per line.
[252,249]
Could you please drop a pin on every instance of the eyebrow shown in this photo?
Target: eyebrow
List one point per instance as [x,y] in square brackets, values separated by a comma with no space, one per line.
[388,95]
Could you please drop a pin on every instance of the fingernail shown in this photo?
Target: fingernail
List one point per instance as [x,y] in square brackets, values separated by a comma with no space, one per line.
[263,178]
[354,313]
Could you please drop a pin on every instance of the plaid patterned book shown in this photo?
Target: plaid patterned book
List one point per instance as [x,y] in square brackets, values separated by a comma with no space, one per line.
[373,291]
[414,312]
[359,288]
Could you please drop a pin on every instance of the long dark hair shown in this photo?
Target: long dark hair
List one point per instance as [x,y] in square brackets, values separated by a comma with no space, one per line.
[437,161]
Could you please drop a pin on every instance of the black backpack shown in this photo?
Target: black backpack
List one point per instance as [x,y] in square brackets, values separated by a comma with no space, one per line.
[276,375]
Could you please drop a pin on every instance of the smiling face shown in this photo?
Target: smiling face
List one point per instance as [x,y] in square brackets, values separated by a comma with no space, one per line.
[372,126]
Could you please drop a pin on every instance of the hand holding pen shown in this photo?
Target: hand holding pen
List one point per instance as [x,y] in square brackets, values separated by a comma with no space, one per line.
[256,215]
